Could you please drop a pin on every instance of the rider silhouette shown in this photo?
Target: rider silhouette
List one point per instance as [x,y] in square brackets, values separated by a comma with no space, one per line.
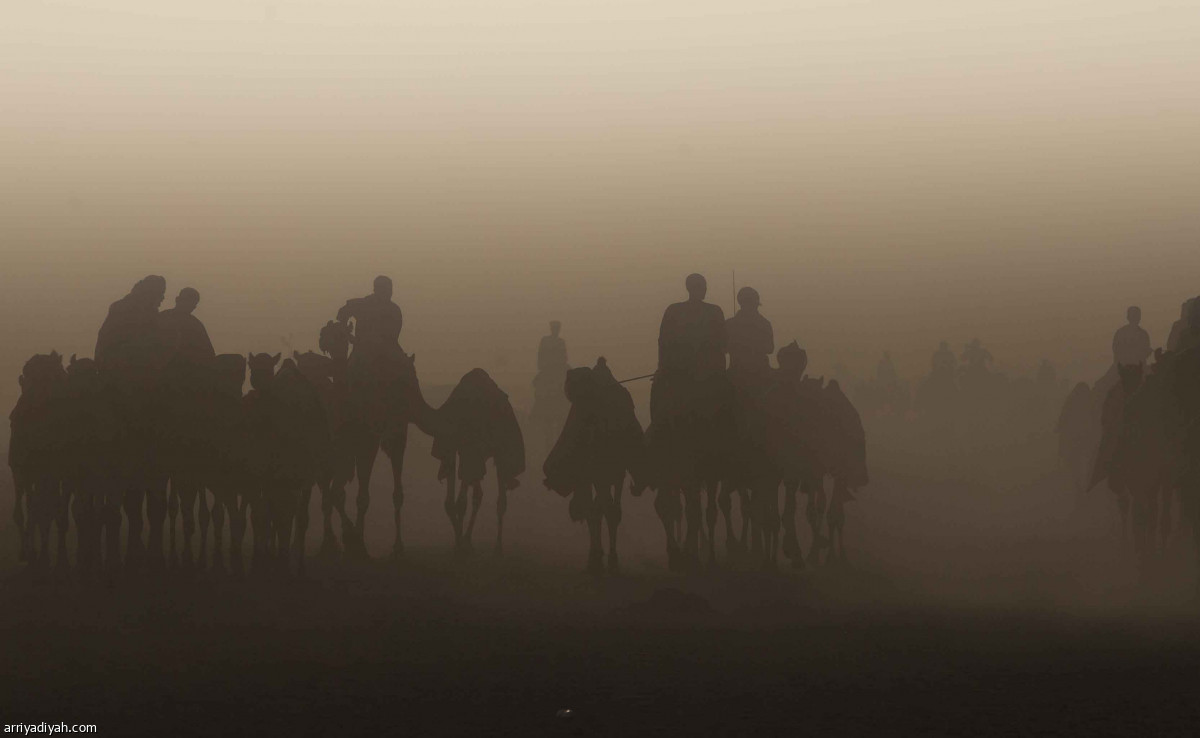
[691,337]
[552,353]
[378,321]
[1131,342]
[184,331]
[750,339]
[131,325]
[1180,327]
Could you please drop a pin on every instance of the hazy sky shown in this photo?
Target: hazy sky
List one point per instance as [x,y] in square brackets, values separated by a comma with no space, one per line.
[887,174]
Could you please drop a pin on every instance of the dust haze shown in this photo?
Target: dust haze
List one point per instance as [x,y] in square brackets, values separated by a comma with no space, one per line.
[887,175]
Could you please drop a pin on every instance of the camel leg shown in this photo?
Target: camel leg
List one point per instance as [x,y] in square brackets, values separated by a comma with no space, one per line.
[329,546]
[771,508]
[837,520]
[691,500]
[365,465]
[42,512]
[135,549]
[711,512]
[1165,528]
[595,515]
[110,510]
[668,506]
[259,526]
[725,503]
[173,502]
[81,513]
[460,514]
[451,506]
[746,510]
[20,499]
[218,525]
[187,502]
[238,504]
[289,499]
[303,502]
[62,517]
[613,516]
[156,514]
[501,508]
[476,501]
[394,443]
[815,512]
[204,516]
[791,543]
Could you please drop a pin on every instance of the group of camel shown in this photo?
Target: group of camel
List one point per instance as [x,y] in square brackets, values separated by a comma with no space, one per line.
[105,452]
[1139,431]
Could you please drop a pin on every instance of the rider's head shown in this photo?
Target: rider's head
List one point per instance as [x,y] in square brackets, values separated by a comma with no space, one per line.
[1194,314]
[188,299]
[150,291]
[1133,315]
[555,327]
[747,297]
[383,287]
[696,286]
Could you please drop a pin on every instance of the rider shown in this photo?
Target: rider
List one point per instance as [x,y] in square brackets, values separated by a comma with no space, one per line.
[691,337]
[552,353]
[750,339]
[1131,342]
[131,325]
[376,333]
[184,330]
[1180,327]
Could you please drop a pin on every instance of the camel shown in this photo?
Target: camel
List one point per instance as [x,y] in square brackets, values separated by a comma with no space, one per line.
[795,439]
[327,373]
[845,459]
[1114,455]
[476,423]
[189,452]
[289,431]
[90,430]
[688,445]
[377,418]
[229,476]
[35,457]
[601,443]
[750,472]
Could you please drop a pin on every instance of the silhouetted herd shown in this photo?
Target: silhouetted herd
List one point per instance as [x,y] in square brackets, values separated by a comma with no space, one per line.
[157,428]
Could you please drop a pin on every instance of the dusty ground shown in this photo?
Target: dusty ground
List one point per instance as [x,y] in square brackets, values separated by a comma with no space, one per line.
[967,608]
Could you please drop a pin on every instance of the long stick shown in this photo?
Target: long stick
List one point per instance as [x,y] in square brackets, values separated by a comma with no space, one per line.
[634,379]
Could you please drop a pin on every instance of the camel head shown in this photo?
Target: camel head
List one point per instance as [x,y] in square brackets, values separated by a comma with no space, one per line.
[336,339]
[580,386]
[230,374]
[262,369]
[42,373]
[314,367]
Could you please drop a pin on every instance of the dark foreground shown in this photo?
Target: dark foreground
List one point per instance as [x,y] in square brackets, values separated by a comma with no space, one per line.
[984,603]
[444,647]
